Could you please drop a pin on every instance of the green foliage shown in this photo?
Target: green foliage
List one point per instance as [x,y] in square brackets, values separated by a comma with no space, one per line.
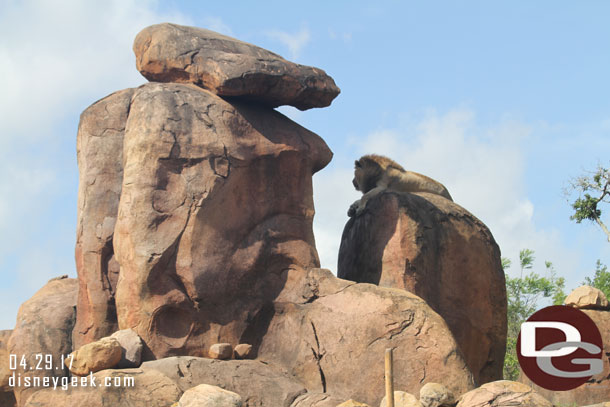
[523,294]
[592,190]
[601,280]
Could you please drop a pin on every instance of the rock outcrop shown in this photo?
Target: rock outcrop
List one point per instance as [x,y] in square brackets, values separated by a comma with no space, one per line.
[437,250]
[7,397]
[596,389]
[587,297]
[503,393]
[229,67]
[205,395]
[44,327]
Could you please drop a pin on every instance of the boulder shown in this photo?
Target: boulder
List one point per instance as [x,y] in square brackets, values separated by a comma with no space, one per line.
[316,400]
[44,327]
[221,351]
[352,403]
[99,150]
[432,247]
[7,397]
[259,384]
[587,297]
[596,389]
[205,395]
[208,217]
[243,351]
[95,356]
[229,67]
[127,388]
[131,348]
[503,393]
[401,399]
[436,395]
[332,334]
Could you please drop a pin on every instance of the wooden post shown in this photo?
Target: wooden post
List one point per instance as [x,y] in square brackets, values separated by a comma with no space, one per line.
[389,378]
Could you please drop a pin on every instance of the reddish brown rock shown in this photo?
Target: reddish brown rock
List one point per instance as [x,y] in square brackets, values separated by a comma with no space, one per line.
[259,384]
[148,389]
[44,327]
[437,250]
[596,389]
[503,393]
[243,351]
[7,397]
[99,149]
[216,201]
[95,356]
[229,67]
[221,351]
[587,297]
[332,334]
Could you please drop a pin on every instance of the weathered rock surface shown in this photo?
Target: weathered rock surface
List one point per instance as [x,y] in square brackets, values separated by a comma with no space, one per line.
[95,356]
[316,400]
[503,393]
[587,297]
[216,201]
[596,389]
[243,351]
[131,346]
[437,250]
[402,399]
[7,397]
[229,67]
[352,403]
[259,384]
[221,351]
[205,395]
[99,149]
[149,389]
[332,334]
[44,327]
[436,395]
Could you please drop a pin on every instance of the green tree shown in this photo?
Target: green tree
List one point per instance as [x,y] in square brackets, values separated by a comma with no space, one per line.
[601,279]
[523,294]
[593,189]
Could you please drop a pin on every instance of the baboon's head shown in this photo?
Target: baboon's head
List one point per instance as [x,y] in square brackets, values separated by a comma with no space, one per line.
[367,173]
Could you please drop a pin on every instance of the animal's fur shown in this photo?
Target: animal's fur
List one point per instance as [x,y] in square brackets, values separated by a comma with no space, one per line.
[375,173]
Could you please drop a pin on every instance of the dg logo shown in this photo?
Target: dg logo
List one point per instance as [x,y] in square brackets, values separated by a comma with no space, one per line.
[560,348]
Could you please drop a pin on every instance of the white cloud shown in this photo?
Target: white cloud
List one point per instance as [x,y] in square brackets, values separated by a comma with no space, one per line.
[295,42]
[483,168]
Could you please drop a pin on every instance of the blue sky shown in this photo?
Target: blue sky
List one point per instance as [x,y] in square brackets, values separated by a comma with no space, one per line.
[503,102]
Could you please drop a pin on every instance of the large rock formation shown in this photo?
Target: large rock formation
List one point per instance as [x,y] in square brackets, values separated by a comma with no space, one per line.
[432,247]
[229,67]
[503,393]
[44,327]
[596,389]
[7,397]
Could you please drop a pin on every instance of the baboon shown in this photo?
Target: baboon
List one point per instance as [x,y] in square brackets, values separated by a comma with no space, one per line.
[375,173]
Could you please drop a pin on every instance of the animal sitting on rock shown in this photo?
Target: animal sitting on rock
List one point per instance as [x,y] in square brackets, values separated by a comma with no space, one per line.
[374,174]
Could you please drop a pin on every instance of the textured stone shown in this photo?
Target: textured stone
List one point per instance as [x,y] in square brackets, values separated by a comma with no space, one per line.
[352,403]
[259,384]
[221,351]
[435,395]
[596,389]
[243,351]
[149,389]
[7,397]
[205,395]
[95,356]
[316,400]
[229,67]
[44,327]
[437,250]
[332,334]
[503,393]
[402,399]
[587,297]
[99,150]
[131,348]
